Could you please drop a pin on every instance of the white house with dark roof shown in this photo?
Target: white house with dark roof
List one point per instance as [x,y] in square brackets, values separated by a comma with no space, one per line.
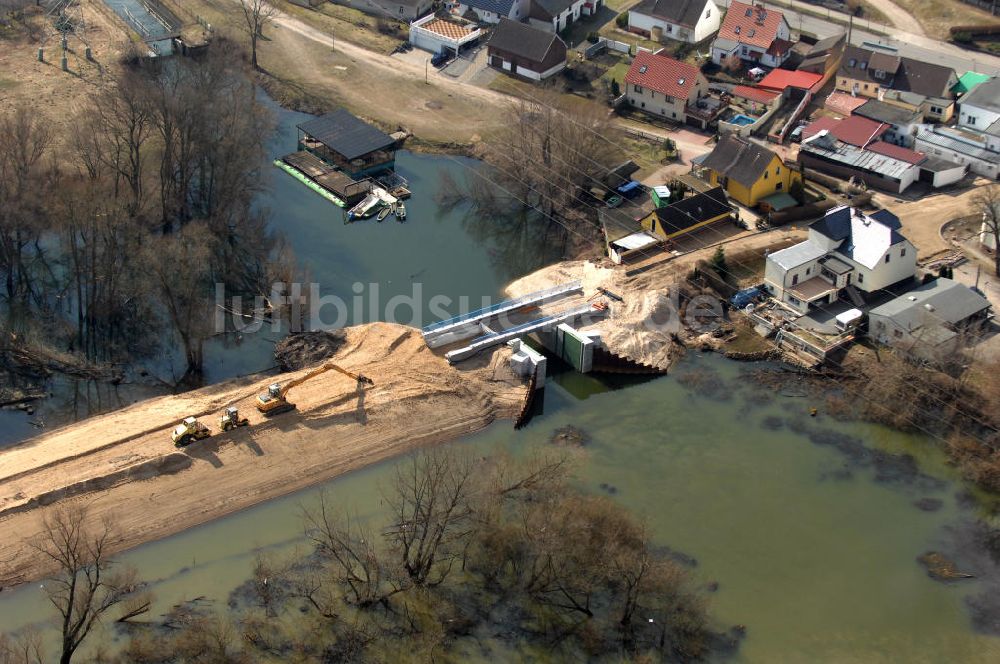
[980,108]
[929,320]
[555,15]
[847,250]
[491,11]
[690,21]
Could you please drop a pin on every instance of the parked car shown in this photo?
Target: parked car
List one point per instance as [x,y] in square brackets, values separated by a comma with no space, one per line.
[796,134]
[440,59]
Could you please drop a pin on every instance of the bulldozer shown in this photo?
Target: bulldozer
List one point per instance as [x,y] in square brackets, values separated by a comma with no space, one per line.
[231,419]
[275,400]
[188,431]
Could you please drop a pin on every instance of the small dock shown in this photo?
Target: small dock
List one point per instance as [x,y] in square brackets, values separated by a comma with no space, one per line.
[334,185]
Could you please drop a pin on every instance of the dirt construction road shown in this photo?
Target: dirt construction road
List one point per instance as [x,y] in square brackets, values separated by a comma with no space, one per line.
[124,467]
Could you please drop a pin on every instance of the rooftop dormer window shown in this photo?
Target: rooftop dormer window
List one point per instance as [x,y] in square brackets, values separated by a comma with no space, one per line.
[737,30]
[852,63]
[864,66]
[749,12]
[751,33]
[642,69]
[680,81]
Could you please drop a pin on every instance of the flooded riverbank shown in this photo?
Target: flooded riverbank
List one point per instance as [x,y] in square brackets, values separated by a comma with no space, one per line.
[809,527]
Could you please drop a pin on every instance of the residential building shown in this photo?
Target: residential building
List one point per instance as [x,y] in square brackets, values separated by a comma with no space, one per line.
[747,171]
[824,57]
[404,10]
[979,109]
[690,21]
[752,33]
[902,122]
[439,35]
[555,15]
[526,51]
[885,75]
[670,221]
[668,88]
[846,251]
[491,11]
[979,151]
[349,143]
[930,320]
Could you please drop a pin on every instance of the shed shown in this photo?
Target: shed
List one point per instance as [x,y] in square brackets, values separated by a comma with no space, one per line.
[526,51]
[630,246]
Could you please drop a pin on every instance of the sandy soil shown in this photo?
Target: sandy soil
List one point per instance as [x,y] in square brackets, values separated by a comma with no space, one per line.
[642,326]
[124,466]
[922,219]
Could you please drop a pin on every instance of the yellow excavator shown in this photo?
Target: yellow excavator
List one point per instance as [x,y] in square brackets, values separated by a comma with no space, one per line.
[275,400]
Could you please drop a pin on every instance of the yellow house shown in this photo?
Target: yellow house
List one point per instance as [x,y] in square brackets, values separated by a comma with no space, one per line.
[689,214]
[748,172]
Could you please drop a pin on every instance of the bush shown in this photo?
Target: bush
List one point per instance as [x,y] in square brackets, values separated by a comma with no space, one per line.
[616,89]
[622,20]
[593,37]
[962,37]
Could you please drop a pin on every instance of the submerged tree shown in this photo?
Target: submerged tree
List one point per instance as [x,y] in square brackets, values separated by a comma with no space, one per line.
[987,202]
[87,585]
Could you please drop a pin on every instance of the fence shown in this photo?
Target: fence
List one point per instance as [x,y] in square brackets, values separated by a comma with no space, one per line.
[988,5]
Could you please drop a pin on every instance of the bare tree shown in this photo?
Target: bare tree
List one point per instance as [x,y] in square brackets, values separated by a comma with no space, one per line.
[431,504]
[987,201]
[87,584]
[257,14]
[26,648]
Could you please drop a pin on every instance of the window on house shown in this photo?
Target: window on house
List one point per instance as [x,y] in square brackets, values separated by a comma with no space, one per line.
[400,10]
[866,86]
[887,257]
[902,252]
[777,171]
[765,175]
[643,104]
[793,300]
[861,278]
[749,12]
[778,186]
[795,279]
[972,120]
[864,66]
[745,50]
[708,13]
[637,88]
[852,63]
[808,271]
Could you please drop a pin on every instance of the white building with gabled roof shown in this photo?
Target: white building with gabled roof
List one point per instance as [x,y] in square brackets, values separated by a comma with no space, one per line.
[846,251]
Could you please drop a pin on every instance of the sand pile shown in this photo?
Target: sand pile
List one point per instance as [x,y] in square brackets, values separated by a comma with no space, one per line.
[125,467]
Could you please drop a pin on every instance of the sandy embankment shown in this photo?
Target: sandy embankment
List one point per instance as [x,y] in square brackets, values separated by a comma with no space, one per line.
[124,466]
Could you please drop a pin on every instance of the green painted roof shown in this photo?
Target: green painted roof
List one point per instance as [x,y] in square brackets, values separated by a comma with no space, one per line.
[969,80]
[780,201]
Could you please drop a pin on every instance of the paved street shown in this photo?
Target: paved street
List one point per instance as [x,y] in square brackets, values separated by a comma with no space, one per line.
[915,46]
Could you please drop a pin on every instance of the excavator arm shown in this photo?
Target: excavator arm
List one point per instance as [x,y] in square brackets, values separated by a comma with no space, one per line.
[320,370]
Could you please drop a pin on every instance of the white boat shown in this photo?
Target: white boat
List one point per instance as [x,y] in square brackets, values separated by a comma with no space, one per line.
[384,212]
[368,206]
[400,211]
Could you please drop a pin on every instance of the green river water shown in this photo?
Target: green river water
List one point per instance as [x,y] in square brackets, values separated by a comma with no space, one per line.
[809,526]
[813,548]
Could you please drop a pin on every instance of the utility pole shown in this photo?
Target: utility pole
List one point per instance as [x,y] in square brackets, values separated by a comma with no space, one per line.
[427,64]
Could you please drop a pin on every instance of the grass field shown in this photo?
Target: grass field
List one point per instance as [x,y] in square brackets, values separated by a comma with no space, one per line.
[936,16]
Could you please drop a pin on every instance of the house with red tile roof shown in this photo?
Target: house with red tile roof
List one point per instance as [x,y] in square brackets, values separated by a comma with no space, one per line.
[667,88]
[752,33]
